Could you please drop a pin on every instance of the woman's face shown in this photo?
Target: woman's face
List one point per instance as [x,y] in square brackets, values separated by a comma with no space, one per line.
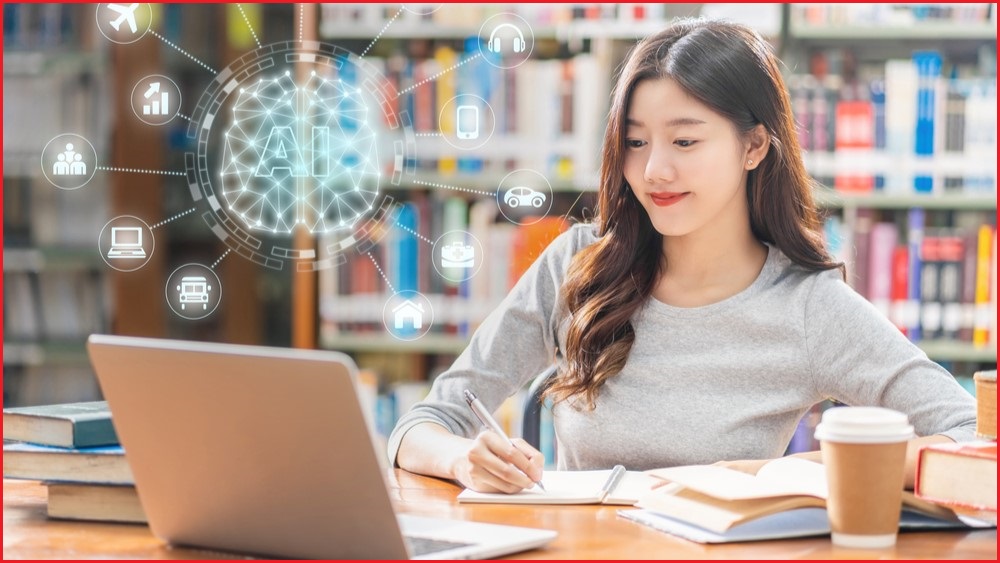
[684,162]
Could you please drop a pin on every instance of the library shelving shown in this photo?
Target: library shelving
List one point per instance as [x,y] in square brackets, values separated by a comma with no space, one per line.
[55,286]
[349,310]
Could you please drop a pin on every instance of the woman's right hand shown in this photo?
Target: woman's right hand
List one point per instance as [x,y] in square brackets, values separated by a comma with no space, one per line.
[491,464]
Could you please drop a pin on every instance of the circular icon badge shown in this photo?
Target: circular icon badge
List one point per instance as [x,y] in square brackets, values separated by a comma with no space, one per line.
[124,23]
[126,243]
[457,256]
[421,9]
[507,40]
[408,315]
[524,197]
[467,122]
[193,291]
[156,99]
[69,161]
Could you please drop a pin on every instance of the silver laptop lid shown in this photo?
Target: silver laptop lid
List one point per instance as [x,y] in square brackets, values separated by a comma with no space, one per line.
[249,449]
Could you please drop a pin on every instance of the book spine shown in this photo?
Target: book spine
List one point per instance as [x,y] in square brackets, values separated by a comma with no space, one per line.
[928,65]
[930,291]
[981,323]
[914,239]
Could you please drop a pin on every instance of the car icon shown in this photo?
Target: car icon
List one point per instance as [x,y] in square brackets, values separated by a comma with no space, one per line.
[520,195]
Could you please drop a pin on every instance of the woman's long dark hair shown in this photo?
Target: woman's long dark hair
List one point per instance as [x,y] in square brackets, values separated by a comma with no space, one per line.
[731,69]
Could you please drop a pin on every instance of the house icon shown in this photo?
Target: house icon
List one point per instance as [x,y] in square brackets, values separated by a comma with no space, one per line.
[408,312]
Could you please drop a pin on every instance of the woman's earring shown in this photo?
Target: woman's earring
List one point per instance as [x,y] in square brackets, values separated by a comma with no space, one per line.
[749,163]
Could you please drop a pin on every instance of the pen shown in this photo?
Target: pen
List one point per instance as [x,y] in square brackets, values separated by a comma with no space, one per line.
[484,417]
[613,479]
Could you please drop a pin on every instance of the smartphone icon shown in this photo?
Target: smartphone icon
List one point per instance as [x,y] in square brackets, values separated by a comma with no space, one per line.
[467,118]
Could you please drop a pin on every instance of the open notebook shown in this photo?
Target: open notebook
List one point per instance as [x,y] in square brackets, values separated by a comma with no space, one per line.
[786,499]
[608,486]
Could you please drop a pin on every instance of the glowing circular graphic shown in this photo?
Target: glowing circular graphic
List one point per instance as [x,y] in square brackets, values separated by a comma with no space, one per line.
[124,23]
[507,40]
[524,196]
[126,243]
[267,162]
[69,161]
[408,315]
[298,136]
[193,291]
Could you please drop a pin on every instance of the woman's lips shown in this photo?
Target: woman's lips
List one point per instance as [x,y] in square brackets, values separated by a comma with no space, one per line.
[664,199]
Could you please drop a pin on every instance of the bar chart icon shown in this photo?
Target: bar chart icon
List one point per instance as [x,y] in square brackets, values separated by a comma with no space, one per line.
[156,99]
[158,104]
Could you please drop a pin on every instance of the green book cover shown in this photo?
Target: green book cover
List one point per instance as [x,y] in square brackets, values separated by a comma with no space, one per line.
[70,425]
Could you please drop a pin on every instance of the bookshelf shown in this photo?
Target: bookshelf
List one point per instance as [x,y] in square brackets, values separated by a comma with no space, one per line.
[61,75]
[936,184]
[565,34]
[55,287]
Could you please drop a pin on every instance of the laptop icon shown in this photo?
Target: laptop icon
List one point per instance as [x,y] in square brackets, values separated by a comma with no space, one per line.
[126,242]
[266,451]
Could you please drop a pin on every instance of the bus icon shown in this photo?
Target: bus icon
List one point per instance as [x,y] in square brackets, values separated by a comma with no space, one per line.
[194,289]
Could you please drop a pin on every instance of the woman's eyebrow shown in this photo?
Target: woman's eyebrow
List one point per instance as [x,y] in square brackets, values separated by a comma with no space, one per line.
[677,122]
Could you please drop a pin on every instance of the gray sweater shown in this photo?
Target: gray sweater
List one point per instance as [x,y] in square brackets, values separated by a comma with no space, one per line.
[725,381]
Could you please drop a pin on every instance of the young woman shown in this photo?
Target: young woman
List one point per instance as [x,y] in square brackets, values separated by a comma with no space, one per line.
[700,316]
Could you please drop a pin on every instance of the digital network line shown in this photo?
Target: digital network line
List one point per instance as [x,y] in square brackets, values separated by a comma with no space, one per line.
[140,171]
[456,188]
[178,216]
[224,254]
[302,17]
[250,27]
[185,53]
[415,233]
[385,27]
[381,273]
[438,75]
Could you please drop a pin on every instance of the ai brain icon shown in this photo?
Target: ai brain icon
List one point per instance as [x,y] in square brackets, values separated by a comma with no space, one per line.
[298,136]
[300,155]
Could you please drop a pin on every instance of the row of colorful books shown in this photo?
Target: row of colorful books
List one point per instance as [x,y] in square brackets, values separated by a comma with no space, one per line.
[334,18]
[73,449]
[902,127]
[352,295]
[933,282]
[892,14]
[545,115]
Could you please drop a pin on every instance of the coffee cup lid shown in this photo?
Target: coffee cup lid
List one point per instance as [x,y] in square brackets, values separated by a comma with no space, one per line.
[863,425]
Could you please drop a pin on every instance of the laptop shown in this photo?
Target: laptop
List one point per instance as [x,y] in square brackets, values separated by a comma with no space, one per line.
[266,451]
[126,242]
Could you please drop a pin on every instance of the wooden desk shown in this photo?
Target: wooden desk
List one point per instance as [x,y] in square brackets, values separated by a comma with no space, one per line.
[585,532]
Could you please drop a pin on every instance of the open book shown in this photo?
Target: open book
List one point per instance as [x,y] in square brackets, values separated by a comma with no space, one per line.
[787,498]
[609,486]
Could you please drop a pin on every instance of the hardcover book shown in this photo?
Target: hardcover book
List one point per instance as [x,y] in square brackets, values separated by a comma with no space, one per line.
[786,499]
[71,425]
[962,475]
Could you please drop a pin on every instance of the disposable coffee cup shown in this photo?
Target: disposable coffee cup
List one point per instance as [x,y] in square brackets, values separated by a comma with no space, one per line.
[864,452]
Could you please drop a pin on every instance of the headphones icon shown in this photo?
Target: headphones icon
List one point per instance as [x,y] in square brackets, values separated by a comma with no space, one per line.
[496,45]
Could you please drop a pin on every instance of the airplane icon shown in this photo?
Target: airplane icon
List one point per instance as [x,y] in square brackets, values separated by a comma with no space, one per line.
[127,14]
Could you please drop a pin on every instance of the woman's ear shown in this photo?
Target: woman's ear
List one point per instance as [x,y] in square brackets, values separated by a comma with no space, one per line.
[759,144]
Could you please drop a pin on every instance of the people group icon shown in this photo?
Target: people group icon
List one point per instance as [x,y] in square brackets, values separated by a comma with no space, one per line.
[69,163]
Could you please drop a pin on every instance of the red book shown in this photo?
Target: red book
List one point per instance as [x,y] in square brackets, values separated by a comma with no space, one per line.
[899,288]
[854,137]
[959,475]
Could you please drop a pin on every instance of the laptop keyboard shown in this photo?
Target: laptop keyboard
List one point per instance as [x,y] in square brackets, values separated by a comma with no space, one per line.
[423,546]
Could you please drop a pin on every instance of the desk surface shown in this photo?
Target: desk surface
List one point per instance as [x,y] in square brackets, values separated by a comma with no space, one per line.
[585,532]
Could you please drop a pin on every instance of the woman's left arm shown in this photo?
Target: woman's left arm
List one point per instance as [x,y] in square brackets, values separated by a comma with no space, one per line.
[859,358]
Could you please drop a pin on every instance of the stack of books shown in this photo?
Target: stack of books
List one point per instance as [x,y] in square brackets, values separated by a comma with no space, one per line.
[963,476]
[785,499]
[73,449]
